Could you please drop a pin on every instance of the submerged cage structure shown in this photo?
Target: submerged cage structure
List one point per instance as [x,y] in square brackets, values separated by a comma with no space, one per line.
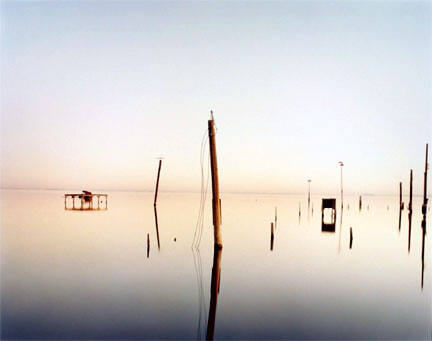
[85,201]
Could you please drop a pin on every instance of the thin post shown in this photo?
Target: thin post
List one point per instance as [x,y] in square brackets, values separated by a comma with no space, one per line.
[215,184]
[400,196]
[351,238]
[309,182]
[148,245]
[271,236]
[157,182]
[410,192]
[341,166]
[360,203]
[425,199]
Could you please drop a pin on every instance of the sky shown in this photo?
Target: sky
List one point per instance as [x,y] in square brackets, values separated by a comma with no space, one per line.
[92,92]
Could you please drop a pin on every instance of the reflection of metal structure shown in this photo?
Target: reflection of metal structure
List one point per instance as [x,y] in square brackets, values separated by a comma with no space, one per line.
[86,197]
[328,204]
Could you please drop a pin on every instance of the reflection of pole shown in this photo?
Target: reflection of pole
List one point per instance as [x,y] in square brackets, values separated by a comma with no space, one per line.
[410,211]
[215,184]
[340,228]
[309,182]
[157,226]
[157,183]
[214,291]
[422,256]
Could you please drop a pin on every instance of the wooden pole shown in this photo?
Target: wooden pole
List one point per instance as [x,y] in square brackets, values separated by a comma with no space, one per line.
[215,184]
[157,182]
[351,238]
[360,203]
[400,196]
[425,199]
[271,236]
[410,192]
[214,291]
[148,245]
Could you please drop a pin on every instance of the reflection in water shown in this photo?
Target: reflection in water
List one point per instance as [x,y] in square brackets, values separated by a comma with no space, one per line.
[71,295]
[340,228]
[423,248]
[409,228]
[410,210]
[157,226]
[214,291]
[201,298]
[400,218]
[271,236]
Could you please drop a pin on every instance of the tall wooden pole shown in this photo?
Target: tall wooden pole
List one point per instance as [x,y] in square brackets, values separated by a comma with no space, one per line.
[157,183]
[215,184]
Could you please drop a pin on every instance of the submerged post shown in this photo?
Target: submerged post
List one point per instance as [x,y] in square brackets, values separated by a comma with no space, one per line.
[401,205]
[157,182]
[215,184]
[271,236]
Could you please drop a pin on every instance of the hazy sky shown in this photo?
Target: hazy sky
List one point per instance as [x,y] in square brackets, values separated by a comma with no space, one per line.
[92,92]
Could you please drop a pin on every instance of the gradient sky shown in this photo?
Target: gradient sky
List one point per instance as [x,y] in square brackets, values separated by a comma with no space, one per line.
[92,92]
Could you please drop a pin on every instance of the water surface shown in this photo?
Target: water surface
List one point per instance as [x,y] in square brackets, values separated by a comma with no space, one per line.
[86,275]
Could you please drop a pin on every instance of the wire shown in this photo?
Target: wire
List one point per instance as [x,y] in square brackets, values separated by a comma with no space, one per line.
[203,193]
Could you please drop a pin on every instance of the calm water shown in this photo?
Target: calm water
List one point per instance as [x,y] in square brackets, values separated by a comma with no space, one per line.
[86,275]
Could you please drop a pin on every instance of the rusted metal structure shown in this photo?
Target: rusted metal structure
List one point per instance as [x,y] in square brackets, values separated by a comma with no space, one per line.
[86,201]
[328,203]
